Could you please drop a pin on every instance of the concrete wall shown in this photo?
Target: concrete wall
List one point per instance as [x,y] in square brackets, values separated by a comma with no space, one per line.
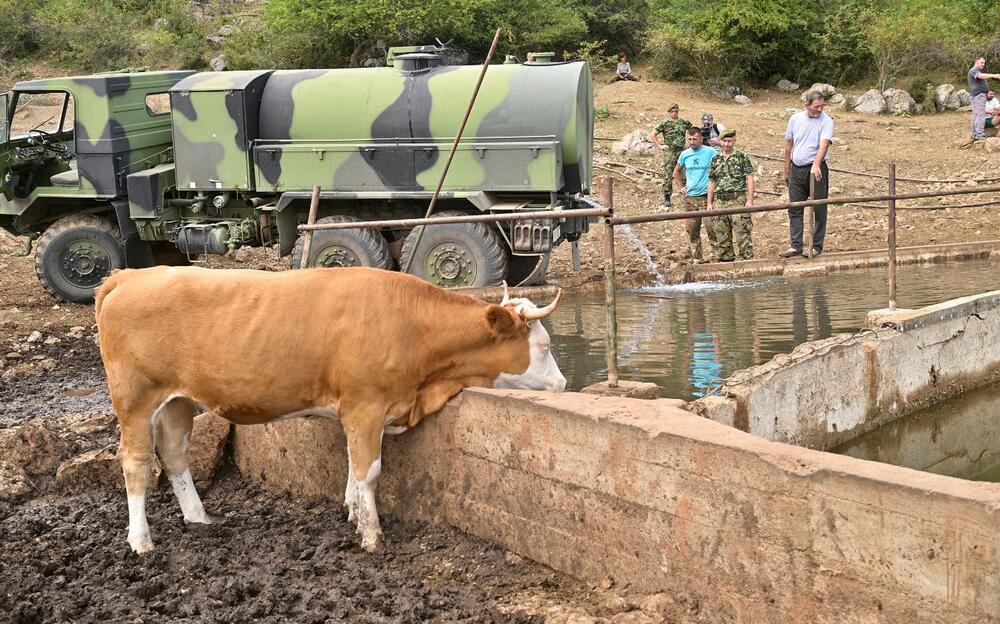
[827,392]
[741,529]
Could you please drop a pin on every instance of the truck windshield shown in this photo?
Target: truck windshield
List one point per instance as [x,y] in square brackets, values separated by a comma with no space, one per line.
[41,111]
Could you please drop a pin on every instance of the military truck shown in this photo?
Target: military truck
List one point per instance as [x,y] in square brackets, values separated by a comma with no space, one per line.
[135,169]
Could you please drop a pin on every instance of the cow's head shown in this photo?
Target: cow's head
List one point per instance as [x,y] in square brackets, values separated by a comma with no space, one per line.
[542,373]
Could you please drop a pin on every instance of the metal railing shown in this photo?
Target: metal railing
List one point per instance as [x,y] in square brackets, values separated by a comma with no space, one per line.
[610,219]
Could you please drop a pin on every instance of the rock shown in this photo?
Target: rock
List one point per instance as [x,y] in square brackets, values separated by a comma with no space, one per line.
[826,89]
[871,103]
[963,97]
[742,99]
[562,614]
[34,336]
[51,340]
[76,331]
[945,98]
[512,558]
[142,48]
[226,30]
[787,86]
[725,92]
[217,64]
[160,22]
[14,482]
[91,470]
[899,102]
[208,442]
[992,144]
[243,254]
[34,447]
[663,606]
[837,98]
[636,617]
[635,142]
[214,40]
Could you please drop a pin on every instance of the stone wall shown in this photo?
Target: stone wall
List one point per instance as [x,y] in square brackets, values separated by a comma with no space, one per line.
[659,499]
[829,391]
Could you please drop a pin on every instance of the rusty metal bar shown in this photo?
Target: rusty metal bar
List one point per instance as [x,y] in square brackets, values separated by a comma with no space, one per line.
[454,148]
[607,198]
[892,238]
[551,215]
[307,243]
[673,216]
[807,238]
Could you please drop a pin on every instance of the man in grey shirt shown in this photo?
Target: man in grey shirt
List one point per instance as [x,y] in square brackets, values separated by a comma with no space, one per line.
[807,141]
[978,88]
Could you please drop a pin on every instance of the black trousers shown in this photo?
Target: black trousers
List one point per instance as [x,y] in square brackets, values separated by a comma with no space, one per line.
[798,190]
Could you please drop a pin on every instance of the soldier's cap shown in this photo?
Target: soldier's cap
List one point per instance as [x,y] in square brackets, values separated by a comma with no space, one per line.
[673,107]
[728,134]
[707,117]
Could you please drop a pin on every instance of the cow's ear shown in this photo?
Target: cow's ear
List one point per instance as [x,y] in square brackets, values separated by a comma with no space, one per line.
[502,322]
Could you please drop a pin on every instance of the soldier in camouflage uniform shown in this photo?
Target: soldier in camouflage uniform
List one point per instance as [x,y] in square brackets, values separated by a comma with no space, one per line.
[731,185]
[672,130]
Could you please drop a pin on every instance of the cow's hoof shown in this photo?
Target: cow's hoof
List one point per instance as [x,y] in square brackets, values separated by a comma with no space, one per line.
[141,544]
[372,541]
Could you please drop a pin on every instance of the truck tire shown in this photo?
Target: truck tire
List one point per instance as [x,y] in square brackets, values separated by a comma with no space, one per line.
[343,248]
[527,270]
[456,254]
[75,254]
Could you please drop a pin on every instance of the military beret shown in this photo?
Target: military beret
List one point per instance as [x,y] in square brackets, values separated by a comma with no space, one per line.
[730,133]
[673,107]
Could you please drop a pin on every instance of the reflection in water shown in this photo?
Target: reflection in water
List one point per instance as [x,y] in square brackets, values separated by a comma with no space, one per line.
[958,438]
[685,338]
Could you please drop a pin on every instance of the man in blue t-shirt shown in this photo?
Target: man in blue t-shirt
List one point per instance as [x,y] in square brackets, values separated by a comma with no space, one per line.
[694,162]
[978,88]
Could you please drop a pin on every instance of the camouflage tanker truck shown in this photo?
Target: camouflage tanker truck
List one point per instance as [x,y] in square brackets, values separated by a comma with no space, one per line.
[136,169]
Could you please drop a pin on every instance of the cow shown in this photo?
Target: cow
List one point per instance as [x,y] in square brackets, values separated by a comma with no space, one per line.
[377,349]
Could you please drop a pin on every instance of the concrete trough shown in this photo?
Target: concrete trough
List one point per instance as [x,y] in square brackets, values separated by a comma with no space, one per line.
[662,500]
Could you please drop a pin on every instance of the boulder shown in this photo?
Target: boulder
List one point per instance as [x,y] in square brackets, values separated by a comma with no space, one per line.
[871,103]
[217,64]
[787,86]
[837,99]
[945,98]
[826,89]
[99,468]
[14,482]
[635,142]
[963,97]
[208,443]
[34,447]
[899,102]
[227,30]
[742,99]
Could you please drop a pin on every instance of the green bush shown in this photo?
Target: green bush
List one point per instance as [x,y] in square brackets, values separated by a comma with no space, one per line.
[19,34]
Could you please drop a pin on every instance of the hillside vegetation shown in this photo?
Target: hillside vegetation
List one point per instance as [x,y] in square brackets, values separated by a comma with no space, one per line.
[745,43]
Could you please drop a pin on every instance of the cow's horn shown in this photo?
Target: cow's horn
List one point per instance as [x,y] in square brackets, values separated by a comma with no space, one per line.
[540,313]
[506,294]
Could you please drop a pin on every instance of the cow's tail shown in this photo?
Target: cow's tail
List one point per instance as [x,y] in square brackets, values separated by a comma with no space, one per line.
[110,283]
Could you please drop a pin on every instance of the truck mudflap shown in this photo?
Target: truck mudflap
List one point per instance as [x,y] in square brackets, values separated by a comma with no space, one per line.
[138,253]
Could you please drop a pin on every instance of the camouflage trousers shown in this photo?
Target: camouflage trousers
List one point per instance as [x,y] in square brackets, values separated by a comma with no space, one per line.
[693,226]
[731,229]
[670,156]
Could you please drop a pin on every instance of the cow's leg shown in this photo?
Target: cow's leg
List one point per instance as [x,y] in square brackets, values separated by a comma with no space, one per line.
[173,438]
[351,493]
[364,443]
[137,411]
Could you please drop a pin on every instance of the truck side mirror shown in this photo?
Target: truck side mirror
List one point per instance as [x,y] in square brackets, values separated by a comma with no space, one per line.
[4,124]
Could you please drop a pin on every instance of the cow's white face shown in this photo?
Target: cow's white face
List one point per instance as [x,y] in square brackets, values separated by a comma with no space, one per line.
[543,373]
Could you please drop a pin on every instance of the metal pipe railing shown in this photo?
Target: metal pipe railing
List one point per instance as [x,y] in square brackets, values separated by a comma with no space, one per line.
[550,215]
[892,238]
[610,289]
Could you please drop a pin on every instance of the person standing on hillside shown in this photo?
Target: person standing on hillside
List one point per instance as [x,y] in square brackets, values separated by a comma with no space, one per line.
[672,130]
[731,185]
[978,88]
[693,164]
[807,144]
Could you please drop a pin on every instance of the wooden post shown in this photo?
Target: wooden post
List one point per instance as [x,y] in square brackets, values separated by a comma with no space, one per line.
[307,243]
[607,198]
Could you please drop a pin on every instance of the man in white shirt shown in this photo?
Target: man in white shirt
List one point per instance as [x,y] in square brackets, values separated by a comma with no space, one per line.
[807,143]
[992,111]
[624,70]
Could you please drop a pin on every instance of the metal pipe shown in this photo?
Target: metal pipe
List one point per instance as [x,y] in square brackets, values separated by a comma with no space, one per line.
[307,243]
[810,218]
[673,216]
[551,215]
[892,238]
[607,198]
[454,147]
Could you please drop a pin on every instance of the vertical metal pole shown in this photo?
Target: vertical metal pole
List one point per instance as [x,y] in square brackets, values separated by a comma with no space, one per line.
[307,243]
[808,237]
[892,237]
[607,198]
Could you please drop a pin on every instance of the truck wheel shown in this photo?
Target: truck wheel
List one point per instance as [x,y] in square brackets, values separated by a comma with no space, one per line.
[75,255]
[528,270]
[343,248]
[456,254]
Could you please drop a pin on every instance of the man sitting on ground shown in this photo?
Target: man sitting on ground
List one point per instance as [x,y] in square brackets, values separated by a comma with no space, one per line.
[992,111]
[624,70]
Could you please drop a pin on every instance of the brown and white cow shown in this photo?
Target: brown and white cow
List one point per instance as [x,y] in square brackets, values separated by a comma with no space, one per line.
[378,349]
